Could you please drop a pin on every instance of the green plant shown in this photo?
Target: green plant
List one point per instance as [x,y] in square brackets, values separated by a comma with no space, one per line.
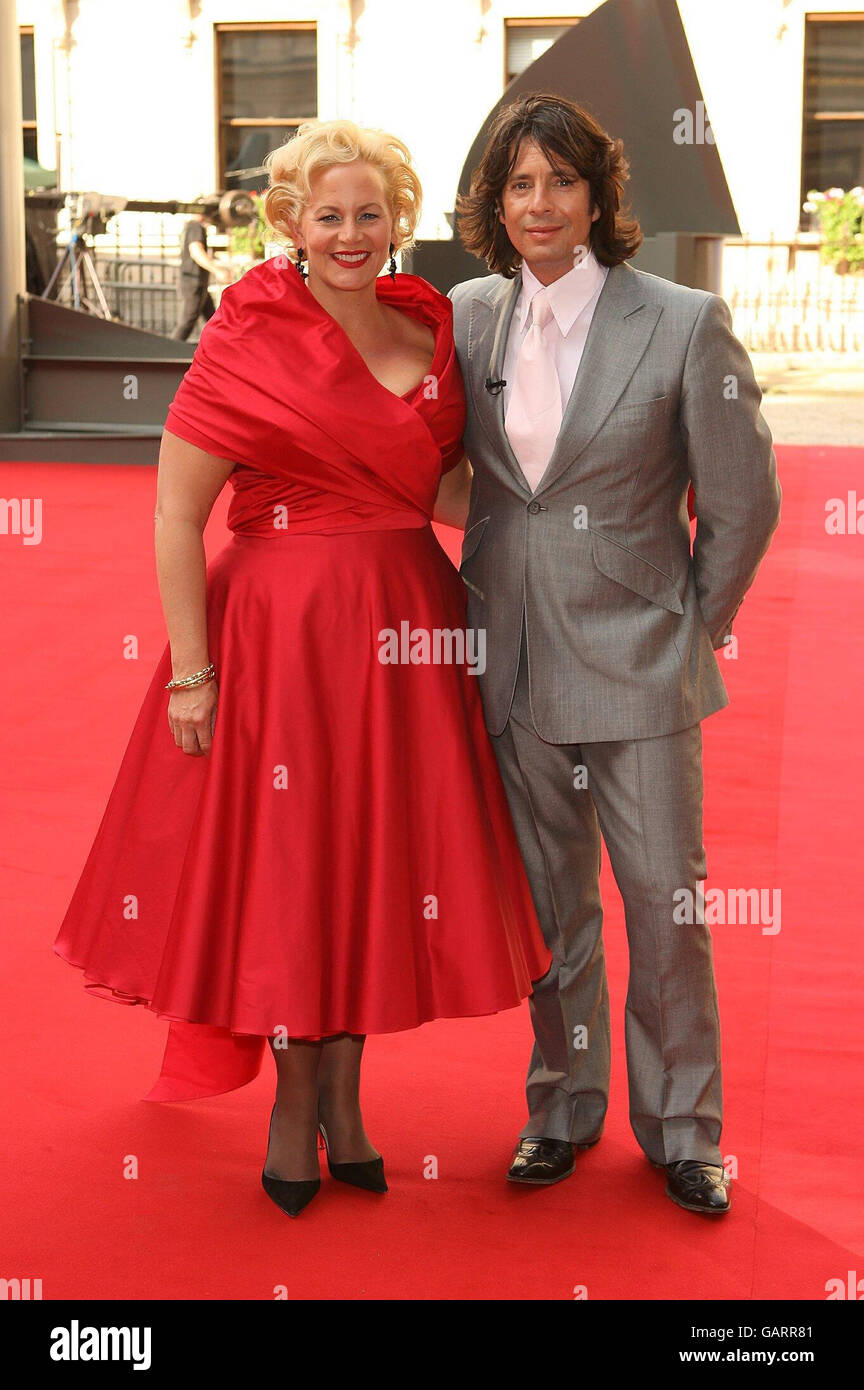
[249,240]
[841,224]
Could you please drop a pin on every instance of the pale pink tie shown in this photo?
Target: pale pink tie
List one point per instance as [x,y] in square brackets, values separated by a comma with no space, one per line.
[533,416]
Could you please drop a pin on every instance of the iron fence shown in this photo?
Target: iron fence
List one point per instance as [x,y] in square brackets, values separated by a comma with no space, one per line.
[784,298]
[141,292]
[138,264]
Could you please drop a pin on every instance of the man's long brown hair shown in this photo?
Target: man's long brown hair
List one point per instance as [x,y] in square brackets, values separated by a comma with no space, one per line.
[568,135]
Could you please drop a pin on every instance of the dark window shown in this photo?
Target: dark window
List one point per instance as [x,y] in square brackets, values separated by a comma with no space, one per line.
[525,40]
[28,92]
[268,84]
[833,143]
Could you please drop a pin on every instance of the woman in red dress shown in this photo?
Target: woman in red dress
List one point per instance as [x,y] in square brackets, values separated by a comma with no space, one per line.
[315,843]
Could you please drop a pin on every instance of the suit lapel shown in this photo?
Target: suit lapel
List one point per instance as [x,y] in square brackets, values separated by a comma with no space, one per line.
[621,328]
[620,331]
[488,327]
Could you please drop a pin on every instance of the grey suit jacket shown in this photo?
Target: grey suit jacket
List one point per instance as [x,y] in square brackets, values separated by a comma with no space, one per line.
[622,620]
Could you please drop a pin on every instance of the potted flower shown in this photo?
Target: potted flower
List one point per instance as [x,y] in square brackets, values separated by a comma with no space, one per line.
[841,224]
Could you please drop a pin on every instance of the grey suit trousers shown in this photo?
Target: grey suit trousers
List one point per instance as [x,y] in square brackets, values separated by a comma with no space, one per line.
[645,797]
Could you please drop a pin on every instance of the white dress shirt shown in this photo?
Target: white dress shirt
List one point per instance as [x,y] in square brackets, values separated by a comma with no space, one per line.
[573,299]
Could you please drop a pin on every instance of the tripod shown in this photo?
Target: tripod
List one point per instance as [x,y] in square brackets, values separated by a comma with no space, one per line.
[78,260]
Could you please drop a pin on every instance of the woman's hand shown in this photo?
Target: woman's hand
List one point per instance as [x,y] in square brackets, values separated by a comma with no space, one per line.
[192,717]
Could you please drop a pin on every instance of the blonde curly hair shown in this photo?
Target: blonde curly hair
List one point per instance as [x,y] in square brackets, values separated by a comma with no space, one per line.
[319,145]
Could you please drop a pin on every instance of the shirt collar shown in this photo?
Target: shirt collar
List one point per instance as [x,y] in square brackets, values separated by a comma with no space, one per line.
[568,295]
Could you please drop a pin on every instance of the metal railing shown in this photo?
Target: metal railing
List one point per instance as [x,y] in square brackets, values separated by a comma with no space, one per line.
[138,265]
[784,298]
[142,292]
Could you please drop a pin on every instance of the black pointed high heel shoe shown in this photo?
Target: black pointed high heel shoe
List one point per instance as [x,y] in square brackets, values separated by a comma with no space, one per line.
[290,1197]
[369,1175]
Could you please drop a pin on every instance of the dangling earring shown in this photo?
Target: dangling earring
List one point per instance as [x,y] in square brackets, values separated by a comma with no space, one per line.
[300,254]
[392,266]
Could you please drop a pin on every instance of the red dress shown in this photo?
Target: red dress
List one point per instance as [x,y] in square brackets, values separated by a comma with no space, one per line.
[343,859]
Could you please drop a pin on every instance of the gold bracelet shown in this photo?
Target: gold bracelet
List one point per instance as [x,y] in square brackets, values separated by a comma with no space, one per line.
[207,673]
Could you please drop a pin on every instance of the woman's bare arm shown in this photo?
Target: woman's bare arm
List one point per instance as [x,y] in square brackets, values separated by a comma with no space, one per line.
[188,483]
[454,491]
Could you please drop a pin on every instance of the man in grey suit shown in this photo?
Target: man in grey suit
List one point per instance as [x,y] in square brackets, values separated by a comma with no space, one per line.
[597,396]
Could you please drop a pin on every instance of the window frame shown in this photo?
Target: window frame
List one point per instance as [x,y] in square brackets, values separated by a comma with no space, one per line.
[812,18]
[253,122]
[533,22]
[29,31]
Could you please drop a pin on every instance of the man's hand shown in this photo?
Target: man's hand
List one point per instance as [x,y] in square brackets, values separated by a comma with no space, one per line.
[219,269]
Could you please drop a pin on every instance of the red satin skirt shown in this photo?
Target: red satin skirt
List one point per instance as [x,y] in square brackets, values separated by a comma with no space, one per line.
[344,859]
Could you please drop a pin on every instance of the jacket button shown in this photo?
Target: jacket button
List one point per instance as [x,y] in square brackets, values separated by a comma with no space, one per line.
[533,508]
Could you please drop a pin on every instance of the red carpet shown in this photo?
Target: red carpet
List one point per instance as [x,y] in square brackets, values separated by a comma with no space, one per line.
[783,777]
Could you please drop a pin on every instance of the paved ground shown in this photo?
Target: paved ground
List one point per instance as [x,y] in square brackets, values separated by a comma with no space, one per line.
[812,398]
[815,419]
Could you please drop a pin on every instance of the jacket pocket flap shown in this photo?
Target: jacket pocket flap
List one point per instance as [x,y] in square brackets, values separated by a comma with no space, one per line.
[472,538]
[651,403]
[627,568]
